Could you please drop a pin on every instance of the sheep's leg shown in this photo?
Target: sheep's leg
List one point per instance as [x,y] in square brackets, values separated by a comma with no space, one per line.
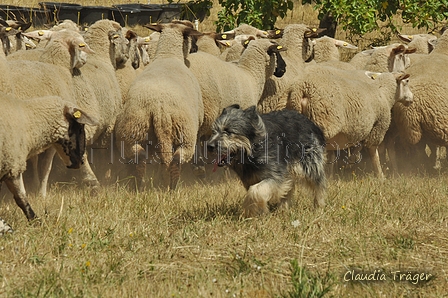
[46,164]
[198,164]
[174,169]
[16,187]
[35,169]
[88,177]
[375,157]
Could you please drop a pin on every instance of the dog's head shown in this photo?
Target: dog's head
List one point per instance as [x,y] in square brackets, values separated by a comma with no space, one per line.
[234,132]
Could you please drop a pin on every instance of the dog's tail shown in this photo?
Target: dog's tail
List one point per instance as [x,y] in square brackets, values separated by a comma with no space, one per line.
[314,168]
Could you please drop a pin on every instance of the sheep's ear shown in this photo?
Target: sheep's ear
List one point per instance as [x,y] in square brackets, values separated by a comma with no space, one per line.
[79,116]
[401,76]
[313,32]
[344,44]
[405,37]
[398,49]
[275,48]
[82,46]
[373,75]
[40,34]
[246,42]
[410,50]
[9,31]
[225,43]
[432,43]
[115,36]
[154,27]
[274,34]
[130,35]
[24,26]
[224,36]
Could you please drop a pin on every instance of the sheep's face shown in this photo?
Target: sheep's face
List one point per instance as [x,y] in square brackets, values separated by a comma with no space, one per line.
[119,49]
[78,53]
[233,134]
[71,144]
[404,93]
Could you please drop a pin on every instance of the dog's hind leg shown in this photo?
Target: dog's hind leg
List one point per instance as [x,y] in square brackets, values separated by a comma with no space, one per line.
[258,196]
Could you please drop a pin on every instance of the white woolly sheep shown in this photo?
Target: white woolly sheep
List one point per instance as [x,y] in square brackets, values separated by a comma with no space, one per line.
[61,58]
[326,51]
[351,108]
[225,83]
[424,122]
[391,58]
[164,104]
[277,90]
[28,127]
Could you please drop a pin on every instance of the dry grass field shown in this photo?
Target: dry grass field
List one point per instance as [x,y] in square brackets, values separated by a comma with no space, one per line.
[193,242]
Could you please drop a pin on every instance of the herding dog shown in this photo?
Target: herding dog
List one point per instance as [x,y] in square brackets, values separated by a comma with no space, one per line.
[267,151]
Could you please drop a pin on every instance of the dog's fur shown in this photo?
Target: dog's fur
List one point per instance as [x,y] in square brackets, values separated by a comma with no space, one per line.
[268,152]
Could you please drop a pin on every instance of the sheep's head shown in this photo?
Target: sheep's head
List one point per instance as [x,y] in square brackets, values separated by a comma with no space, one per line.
[398,59]
[273,50]
[5,32]
[78,52]
[183,29]
[133,48]
[404,93]
[72,144]
[118,50]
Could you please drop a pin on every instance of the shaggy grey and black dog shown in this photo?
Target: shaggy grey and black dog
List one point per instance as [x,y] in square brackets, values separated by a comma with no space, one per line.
[268,152]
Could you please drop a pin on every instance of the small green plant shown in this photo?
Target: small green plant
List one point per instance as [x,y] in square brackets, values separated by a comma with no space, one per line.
[307,284]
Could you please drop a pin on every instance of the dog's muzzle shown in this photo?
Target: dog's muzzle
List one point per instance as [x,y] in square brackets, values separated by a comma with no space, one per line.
[223,157]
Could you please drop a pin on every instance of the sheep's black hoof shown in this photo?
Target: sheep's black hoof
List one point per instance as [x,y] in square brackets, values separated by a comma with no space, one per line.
[5,228]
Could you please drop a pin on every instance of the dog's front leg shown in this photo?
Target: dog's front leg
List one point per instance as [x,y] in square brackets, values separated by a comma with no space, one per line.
[258,196]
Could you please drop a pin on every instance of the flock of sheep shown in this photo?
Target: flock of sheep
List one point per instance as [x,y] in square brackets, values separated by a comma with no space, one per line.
[158,95]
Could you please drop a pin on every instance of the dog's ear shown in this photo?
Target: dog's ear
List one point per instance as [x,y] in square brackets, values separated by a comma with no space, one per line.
[252,114]
[234,106]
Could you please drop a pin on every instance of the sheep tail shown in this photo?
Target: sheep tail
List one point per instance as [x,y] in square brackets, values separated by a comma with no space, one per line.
[163,129]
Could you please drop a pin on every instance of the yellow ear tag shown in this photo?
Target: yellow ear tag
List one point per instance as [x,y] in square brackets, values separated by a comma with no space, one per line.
[227,43]
[20,28]
[265,33]
[246,42]
[116,36]
[7,29]
[374,76]
[224,36]
[147,39]
[81,45]
[277,32]
[40,33]
[77,114]
[314,29]
[411,37]
[279,47]
[345,44]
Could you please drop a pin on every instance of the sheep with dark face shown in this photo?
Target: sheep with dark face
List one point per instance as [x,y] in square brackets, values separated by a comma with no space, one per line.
[28,127]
